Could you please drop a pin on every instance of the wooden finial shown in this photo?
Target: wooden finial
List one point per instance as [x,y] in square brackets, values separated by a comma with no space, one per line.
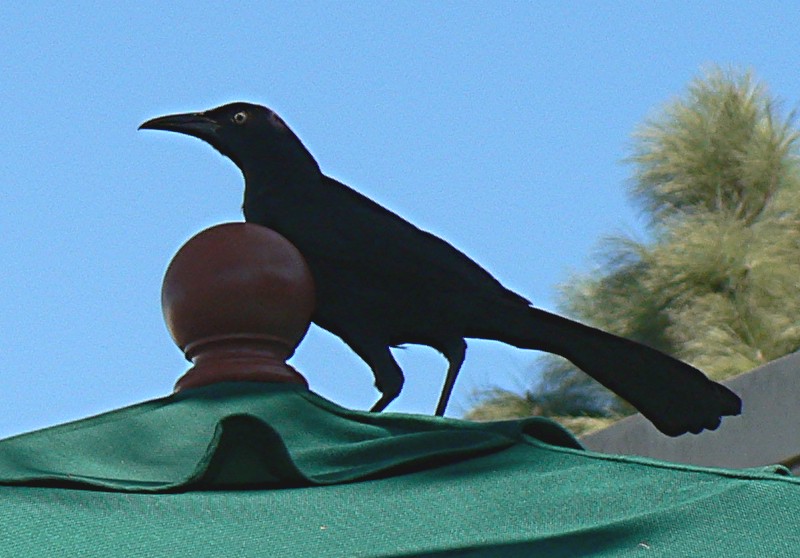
[237,299]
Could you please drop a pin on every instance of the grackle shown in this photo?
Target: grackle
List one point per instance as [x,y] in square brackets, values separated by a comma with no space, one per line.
[382,282]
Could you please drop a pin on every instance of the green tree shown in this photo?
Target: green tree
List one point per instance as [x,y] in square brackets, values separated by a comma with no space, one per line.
[717,283]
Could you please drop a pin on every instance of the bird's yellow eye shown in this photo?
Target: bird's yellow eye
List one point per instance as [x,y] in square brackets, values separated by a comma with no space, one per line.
[240,117]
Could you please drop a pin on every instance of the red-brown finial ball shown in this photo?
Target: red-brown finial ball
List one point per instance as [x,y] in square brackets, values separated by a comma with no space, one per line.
[237,299]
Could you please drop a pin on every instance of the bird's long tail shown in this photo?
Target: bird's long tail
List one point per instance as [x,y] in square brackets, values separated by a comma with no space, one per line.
[676,397]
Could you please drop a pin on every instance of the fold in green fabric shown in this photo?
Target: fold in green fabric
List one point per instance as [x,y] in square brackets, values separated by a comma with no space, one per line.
[251,434]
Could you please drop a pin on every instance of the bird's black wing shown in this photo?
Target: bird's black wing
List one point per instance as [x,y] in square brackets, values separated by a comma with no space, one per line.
[345,228]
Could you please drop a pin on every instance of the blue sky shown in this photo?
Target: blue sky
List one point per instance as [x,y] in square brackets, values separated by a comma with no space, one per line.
[499,126]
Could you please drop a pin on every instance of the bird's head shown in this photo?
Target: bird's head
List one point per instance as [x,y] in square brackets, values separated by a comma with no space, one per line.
[255,138]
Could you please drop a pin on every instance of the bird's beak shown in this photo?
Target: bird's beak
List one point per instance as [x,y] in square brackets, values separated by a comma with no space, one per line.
[195,124]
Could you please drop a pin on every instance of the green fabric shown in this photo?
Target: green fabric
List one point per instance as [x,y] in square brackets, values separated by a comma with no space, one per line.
[276,435]
[269,470]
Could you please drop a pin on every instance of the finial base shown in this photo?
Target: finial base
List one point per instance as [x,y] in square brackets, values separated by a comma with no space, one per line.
[238,358]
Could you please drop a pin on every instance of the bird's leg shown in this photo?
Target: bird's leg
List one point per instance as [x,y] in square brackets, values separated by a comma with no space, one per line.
[382,403]
[388,375]
[454,353]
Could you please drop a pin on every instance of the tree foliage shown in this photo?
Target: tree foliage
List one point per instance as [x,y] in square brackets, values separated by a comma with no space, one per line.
[717,283]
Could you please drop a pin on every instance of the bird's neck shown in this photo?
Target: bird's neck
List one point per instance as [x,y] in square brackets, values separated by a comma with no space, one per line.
[268,189]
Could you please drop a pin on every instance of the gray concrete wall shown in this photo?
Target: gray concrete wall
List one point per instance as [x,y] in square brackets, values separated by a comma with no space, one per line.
[767,432]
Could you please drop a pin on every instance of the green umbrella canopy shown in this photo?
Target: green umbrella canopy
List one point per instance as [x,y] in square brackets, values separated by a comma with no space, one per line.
[260,468]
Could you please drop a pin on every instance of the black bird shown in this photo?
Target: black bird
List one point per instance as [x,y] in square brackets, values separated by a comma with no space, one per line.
[382,282]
